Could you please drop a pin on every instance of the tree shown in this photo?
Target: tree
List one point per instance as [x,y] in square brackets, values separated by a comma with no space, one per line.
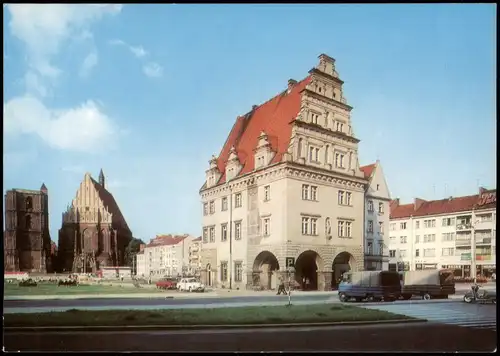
[131,250]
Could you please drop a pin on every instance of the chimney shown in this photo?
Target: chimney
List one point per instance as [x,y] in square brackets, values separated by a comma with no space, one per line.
[254,107]
[142,247]
[450,198]
[291,83]
[418,203]
[394,202]
[481,190]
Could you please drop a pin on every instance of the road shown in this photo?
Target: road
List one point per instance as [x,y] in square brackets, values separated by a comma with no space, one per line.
[419,337]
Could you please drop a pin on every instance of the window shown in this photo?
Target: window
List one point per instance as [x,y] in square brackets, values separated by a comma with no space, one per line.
[327,149]
[370,226]
[223,232]
[212,207]
[267,193]
[314,118]
[449,236]
[430,238]
[309,192]
[370,206]
[339,160]
[29,203]
[237,230]
[417,239]
[205,209]
[345,229]
[485,217]
[417,253]
[237,200]
[344,198]
[448,251]
[403,239]
[429,252]
[378,187]
[402,253]
[392,253]
[381,248]
[313,154]
[369,249]
[223,271]
[212,234]
[28,222]
[224,204]
[380,208]
[266,227]
[417,224]
[309,226]
[429,223]
[238,271]
[448,221]
[402,226]
[381,227]
[340,126]
[260,161]
[392,227]
[305,192]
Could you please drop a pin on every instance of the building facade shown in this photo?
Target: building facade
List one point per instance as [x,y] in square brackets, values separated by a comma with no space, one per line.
[165,255]
[377,212]
[194,256]
[27,244]
[286,186]
[94,233]
[444,234]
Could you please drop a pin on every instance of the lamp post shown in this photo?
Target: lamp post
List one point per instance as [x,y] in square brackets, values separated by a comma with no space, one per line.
[473,250]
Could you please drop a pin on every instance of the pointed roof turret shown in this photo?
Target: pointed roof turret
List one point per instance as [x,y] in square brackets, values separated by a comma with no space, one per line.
[43,188]
[102,180]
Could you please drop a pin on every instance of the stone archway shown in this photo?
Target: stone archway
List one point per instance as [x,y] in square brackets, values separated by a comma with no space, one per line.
[264,267]
[343,262]
[307,266]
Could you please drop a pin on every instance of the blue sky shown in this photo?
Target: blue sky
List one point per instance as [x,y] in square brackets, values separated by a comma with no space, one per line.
[150,92]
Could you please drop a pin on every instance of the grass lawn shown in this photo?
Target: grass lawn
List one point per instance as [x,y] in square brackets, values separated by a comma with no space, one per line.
[53,289]
[217,316]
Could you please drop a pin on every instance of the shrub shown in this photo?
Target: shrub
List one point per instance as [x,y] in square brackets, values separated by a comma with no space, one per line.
[28,283]
[68,283]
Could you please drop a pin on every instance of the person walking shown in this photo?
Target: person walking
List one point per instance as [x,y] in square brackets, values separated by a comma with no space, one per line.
[281,287]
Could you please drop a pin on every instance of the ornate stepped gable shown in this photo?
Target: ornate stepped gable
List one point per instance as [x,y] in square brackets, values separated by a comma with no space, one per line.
[314,103]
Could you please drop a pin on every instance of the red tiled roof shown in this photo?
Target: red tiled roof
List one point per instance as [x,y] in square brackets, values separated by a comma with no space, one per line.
[368,170]
[197,239]
[274,117]
[166,240]
[486,200]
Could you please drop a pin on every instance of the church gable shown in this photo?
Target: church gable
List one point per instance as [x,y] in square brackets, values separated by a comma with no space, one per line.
[378,185]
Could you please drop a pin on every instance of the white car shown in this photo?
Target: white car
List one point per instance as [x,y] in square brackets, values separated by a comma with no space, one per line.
[190,285]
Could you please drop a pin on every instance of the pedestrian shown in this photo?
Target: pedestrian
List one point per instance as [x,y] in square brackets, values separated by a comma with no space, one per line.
[281,287]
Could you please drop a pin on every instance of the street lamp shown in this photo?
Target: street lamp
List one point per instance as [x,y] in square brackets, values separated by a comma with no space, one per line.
[473,250]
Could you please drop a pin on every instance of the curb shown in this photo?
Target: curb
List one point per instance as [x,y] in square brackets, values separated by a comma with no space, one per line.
[198,327]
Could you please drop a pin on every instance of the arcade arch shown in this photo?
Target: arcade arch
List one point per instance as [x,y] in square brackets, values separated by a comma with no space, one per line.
[343,262]
[307,266]
[264,266]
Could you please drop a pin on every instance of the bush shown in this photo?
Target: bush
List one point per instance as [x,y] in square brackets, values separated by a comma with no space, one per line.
[470,280]
[28,283]
[68,283]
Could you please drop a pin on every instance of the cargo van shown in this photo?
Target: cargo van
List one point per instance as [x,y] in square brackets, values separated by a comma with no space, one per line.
[370,285]
[428,284]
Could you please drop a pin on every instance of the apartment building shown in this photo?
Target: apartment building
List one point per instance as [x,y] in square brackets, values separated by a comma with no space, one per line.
[165,255]
[377,211]
[194,256]
[286,189]
[445,233]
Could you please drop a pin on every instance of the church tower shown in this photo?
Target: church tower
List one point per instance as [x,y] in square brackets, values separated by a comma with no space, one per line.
[102,179]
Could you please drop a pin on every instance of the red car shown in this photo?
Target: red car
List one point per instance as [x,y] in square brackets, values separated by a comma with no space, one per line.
[167,283]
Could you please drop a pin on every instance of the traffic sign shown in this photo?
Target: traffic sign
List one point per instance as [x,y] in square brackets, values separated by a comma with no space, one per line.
[290,262]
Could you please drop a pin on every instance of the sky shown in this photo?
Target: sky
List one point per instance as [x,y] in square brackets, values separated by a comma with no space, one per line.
[149,92]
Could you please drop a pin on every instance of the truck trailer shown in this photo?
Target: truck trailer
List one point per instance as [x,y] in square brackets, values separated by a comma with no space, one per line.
[427,284]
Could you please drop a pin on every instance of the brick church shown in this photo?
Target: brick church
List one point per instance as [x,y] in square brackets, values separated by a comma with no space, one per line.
[94,233]
[27,244]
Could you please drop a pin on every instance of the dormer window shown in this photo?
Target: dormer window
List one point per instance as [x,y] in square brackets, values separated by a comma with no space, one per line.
[260,162]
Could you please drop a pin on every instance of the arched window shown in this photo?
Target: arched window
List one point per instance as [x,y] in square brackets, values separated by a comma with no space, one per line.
[299,149]
[28,222]
[29,203]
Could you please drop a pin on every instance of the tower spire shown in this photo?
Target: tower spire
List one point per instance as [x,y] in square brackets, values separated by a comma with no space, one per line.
[102,180]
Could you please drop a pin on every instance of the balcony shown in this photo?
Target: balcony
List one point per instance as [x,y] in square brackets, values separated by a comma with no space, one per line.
[463,242]
[483,241]
[483,257]
[372,256]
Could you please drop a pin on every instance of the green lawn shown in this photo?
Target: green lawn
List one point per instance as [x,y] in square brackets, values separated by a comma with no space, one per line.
[217,316]
[53,289]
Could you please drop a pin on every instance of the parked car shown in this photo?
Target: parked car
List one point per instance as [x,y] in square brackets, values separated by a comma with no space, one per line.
[166,283]
[190,285]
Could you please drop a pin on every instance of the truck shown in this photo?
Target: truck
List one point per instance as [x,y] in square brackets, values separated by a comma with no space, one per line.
[370,285]
[427,284]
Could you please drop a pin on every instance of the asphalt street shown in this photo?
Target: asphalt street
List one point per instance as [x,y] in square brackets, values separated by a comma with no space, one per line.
[419,337]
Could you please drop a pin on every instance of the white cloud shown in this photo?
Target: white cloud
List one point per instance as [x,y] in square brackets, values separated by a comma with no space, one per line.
[84,128]
[45,27]
[138,51]
[34,85]
[88,63]
[153,70]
